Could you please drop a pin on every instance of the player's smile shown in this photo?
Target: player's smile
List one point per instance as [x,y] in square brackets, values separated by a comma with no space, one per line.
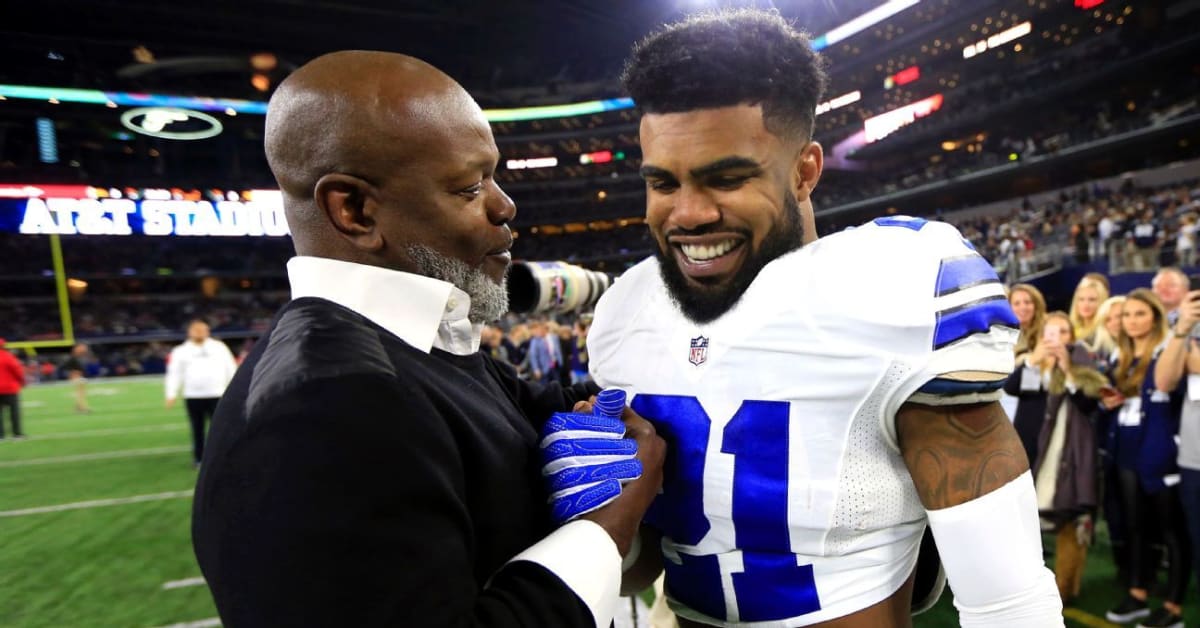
[709,257]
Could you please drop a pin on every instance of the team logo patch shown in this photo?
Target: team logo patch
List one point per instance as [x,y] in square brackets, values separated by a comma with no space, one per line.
[699,352]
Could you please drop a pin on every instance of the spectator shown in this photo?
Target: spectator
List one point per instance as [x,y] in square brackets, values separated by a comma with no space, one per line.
[1029,306]
[1065,467]
[1104,340]
[1170,285]
[545,356]
[579,353]
[201,368]
[76,367]
[1084,305]
[1185,242]
[1142,426]
[1147,236]
[1182,356]
[12,379]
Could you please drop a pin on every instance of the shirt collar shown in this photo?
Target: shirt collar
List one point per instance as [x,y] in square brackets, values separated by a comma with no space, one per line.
[422,311]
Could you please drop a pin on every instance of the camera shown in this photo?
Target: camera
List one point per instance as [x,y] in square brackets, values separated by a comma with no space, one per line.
[540,287]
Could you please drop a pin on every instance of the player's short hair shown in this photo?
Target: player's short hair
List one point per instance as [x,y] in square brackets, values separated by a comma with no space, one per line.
[726,58]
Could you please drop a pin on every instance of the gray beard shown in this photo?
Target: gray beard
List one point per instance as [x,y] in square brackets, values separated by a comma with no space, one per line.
[489,300]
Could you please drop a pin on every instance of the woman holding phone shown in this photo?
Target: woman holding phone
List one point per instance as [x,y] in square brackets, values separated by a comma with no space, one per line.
[1141,442]
[1065,468]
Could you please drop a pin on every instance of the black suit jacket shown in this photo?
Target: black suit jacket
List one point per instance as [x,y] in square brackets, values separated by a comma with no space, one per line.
[352,480]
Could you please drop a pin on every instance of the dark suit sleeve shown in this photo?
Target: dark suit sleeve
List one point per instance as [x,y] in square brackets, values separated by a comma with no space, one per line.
[342,504]
[538,400]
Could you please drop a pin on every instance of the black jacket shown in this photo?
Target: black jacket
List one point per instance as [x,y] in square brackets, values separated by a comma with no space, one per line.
[353,480]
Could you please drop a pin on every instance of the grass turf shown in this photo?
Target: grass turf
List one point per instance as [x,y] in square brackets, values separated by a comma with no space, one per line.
[106,566]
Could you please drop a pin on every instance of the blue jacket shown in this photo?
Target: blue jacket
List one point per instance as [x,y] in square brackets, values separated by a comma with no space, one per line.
[1147,447]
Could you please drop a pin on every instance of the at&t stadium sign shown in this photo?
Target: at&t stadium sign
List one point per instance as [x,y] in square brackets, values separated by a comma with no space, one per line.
[85,210]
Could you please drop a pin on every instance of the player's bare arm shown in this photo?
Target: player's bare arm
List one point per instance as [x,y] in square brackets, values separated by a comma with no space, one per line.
[972,476]
[958,453]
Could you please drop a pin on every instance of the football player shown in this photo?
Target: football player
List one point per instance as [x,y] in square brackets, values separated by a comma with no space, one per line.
[823,403]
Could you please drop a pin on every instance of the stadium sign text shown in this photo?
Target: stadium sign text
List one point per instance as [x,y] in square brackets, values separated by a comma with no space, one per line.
[122,216]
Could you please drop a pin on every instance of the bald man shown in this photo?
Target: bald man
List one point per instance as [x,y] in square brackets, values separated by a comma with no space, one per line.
[368,466]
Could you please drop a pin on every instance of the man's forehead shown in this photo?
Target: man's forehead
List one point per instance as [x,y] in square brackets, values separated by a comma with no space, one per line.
[684,140]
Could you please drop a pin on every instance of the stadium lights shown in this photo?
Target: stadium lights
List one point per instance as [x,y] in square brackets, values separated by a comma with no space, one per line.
[885,124]
[126,99]
[97,97]
[840,101]
[536,162]
[862,22]
[601,157]
[997,40]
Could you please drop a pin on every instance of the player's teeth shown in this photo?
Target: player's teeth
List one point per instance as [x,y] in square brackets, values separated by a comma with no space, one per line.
[702,253]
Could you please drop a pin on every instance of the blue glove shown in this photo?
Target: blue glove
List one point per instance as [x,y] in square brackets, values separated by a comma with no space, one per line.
[586,458]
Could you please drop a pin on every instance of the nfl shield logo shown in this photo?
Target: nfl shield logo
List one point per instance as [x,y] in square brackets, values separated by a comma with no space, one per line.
[699,351]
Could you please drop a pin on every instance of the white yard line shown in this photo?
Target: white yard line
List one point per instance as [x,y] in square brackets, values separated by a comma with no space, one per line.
[128,414]
[164,427]
[104,455]
[96,503]
[186,582]
[211,622]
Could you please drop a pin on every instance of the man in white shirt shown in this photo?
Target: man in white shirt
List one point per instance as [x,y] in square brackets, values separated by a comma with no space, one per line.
[201,368]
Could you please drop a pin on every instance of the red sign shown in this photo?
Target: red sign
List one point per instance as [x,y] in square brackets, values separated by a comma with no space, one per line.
[907,75]
[1088,4]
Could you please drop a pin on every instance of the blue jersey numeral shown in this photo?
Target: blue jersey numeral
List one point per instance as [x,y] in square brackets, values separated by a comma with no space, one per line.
[770,586]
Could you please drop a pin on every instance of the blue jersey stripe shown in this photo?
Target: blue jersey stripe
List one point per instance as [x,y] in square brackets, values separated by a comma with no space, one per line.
[960,273]
[952,387]
[907,222]
[972,318]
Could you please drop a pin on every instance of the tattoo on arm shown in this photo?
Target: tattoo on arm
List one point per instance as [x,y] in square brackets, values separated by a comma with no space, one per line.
[958,453]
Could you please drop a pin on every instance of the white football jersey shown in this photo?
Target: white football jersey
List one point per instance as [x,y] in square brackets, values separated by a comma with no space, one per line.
[785,500]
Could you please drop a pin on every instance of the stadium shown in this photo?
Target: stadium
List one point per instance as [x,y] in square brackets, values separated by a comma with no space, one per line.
[1060,137]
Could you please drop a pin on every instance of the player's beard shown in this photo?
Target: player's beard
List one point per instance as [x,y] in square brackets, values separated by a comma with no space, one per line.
[489,299]
[704,305]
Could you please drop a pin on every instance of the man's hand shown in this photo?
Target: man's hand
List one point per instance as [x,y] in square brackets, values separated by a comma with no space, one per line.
[170,403]
[1189,313]
[622,517]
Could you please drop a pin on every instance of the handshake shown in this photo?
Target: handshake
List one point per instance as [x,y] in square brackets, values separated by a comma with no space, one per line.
[605,466]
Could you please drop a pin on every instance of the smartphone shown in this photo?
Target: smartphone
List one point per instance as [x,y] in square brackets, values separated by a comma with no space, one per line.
[1194,282]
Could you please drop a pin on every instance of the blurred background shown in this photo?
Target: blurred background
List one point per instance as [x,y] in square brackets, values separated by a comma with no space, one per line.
[135,197]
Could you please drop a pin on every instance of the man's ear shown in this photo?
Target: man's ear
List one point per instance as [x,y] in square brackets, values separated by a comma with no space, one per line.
[804,180]
[348,203]
[807,173]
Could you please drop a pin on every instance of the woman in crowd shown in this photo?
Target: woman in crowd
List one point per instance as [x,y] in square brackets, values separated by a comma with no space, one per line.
[1142,430]
[1085,305]
[1029,306]
[1065,468]
[1104,338]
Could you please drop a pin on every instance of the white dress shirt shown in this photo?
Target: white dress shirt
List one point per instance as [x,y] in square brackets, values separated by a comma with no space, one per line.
[202,370]
[422,311]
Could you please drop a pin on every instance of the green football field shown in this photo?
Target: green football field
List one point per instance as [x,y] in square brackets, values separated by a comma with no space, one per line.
[95,515]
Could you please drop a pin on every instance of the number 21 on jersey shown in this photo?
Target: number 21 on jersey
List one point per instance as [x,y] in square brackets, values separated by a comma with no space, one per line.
[762,581]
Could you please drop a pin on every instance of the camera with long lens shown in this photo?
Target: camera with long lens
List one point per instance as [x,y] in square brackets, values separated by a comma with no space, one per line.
[540,287]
